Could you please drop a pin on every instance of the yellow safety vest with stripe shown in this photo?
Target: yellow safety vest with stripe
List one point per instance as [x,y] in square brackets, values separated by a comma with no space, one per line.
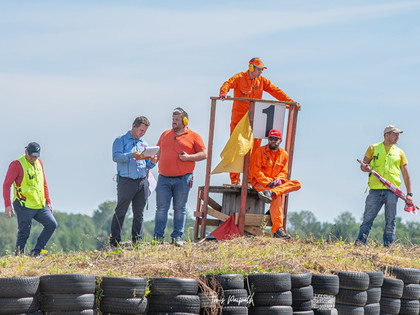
[386,164]
[31,192]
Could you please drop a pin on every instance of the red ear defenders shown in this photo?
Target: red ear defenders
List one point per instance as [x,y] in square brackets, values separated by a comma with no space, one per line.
[183,114]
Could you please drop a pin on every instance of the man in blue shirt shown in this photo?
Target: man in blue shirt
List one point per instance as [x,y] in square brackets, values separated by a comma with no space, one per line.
[132,180]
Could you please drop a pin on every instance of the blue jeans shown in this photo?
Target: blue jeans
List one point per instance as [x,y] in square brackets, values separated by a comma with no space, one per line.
[24,219]
[134,191]
[374,202]
[167,188]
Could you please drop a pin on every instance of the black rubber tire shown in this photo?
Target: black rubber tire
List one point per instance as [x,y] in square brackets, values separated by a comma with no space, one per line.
[124,287]
[19,287]
[408,275]
[343,309]
[123,305]
[411,292]
[272,298]
[227,281]
[173,286]
[67,284]
[409,307]
[390,305]
[302,293]
[269,282]
[235,310]
[84,312]
[208,299]
[18,305]
[328,311]
[325,284]
[352,297]
[270,310]
[353,280]
[301,306]
[392,288]
[66,302]
[311,312]
[175,303]
[323,301]
[373,295]
[160,313]
[301,279]
[372,309]
[376,278]
[234,297]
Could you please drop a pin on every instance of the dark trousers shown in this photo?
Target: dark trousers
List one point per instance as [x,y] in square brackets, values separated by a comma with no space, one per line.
[134,191]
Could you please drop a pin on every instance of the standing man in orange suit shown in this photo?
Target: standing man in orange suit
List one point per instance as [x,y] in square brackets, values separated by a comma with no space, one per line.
[269,171]
[249,84]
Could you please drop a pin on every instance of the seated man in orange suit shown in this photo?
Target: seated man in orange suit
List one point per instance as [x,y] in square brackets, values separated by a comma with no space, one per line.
[269,177]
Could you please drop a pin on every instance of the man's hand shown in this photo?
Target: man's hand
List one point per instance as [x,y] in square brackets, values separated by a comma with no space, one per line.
[184,156]
[154,159]
[409,200]
[50,206]
[275,183]
[137,156]
[8,211]
[222,96]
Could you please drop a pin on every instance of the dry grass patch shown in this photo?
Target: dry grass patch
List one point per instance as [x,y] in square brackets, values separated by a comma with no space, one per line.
[243,255]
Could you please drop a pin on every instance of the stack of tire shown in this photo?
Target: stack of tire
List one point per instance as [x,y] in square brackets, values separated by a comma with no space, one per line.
[391,292]
[232,297]
[302,294]
[67,294]
[411,290]
[19,295]
[173,295]
[123,295]
[376,279]
[270,293]
[325,288]
[352,294]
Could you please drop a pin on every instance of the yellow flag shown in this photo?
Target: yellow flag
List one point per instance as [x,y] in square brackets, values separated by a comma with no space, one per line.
[239,144]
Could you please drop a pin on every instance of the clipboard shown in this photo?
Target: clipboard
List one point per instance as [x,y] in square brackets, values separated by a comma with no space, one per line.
[149,152]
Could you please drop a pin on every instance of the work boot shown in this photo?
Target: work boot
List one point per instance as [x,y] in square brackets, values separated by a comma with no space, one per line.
[265,195]
[178,242]
[281,234]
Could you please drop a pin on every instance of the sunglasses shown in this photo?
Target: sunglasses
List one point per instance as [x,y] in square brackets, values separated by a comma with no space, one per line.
[273,138]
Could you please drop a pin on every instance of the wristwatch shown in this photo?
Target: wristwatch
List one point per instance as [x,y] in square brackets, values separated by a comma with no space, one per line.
[410,194]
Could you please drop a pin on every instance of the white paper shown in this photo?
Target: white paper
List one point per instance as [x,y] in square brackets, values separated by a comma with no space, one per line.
[152,183]
[150,152]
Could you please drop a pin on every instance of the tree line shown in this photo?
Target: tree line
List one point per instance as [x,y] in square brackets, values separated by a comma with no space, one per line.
[78,232]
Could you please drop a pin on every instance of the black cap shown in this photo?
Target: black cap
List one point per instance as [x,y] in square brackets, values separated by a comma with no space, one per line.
[33,149]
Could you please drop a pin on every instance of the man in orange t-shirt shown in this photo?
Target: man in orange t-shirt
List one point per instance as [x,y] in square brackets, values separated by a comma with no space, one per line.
[269,171]
[249,84]
[180,148]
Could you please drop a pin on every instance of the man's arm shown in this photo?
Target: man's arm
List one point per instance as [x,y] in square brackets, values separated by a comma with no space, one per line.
[229,84]
[366,161]
[195,157]
[46,191]
[11,175]
[407,182]
[275,91]
[118,154]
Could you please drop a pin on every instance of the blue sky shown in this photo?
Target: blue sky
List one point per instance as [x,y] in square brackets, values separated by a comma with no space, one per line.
[75,74]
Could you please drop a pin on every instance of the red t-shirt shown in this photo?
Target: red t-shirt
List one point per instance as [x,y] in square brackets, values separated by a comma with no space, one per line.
[171,146]
[15,174]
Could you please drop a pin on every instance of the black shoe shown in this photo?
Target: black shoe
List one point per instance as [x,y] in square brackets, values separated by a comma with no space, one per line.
[265,195]
[281,234]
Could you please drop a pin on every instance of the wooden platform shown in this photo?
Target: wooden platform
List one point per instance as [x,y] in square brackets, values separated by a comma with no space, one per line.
[255,219]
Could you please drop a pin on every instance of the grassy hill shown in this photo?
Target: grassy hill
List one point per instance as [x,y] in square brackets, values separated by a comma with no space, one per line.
[243,255]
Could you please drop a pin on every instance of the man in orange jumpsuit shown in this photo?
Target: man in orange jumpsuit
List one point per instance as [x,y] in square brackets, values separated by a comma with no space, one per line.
[249,84]
[269,177]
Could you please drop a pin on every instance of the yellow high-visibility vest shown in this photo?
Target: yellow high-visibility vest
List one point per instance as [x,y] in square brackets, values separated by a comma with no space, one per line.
[386,164]
[31,192]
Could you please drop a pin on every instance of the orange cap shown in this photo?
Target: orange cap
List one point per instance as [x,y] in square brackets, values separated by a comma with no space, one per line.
[257,62]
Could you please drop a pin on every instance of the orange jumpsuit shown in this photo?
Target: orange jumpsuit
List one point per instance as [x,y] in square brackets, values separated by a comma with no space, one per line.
[245,87]
[267,166]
